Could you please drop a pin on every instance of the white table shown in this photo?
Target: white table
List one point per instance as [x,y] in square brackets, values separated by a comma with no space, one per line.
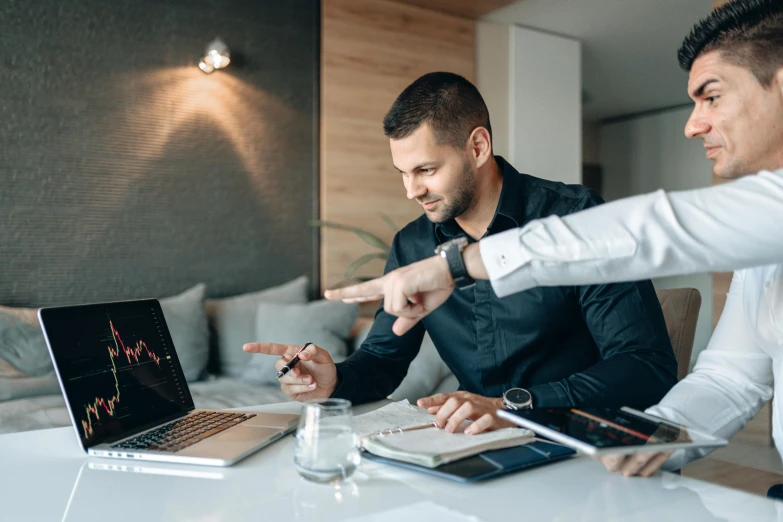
[44,475]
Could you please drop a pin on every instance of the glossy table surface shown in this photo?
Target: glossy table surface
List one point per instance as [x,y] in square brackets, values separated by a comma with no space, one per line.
[45,475]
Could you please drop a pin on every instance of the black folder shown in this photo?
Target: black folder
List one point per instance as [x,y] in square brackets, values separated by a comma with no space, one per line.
[489,464]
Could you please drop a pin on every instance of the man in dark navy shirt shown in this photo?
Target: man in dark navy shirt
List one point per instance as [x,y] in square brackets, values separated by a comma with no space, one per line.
[595,345]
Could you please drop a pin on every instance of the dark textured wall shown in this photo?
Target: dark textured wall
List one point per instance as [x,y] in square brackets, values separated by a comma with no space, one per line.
[126,172]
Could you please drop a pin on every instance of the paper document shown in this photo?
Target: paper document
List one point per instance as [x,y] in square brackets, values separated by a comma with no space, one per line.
[400,414]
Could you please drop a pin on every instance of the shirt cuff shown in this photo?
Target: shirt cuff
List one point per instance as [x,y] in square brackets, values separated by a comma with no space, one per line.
[550,395]
[345,387]
[679,458]
[503,256]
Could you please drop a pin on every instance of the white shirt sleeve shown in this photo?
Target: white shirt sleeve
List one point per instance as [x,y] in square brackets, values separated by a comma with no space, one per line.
[721,228]
[730,383]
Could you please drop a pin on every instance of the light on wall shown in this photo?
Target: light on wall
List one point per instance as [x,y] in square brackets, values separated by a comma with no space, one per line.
[216,56]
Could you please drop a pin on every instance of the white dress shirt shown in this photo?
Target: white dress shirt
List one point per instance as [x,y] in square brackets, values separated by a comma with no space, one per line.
[727,227]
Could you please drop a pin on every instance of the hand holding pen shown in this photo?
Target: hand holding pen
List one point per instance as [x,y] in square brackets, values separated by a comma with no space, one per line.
[290,365]
[304,372]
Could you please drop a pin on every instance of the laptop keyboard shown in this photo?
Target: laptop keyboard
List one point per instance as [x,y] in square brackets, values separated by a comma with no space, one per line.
[185,432]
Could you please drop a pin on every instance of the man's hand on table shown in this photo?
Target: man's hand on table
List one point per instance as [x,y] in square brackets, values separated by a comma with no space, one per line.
[452,409]
[642,464]
[314,377]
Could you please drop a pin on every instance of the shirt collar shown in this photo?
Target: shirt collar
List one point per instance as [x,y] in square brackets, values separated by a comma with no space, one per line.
[508,214]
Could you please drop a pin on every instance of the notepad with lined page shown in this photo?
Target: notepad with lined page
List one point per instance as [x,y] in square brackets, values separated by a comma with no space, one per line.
[379,433]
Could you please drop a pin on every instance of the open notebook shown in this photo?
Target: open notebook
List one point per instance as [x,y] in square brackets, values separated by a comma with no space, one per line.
[430,447]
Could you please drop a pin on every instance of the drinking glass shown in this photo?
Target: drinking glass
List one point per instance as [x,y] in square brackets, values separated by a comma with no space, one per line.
[326,448]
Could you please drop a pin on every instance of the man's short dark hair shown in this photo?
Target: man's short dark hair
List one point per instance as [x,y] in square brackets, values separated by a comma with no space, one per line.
[748,33]
[449,103]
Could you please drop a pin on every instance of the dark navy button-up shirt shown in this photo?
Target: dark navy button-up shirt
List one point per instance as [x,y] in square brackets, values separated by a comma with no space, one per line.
[592,345]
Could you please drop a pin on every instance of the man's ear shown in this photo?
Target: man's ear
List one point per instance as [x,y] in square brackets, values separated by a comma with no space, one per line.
[480,145]
[777,82]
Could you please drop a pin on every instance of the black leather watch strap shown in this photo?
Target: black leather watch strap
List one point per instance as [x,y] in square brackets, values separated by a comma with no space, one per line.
[453,254]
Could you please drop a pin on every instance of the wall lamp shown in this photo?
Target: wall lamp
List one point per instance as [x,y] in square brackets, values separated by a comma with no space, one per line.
[216,56]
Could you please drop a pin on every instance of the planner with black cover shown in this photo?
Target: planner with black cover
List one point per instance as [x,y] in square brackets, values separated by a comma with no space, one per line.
[386,432]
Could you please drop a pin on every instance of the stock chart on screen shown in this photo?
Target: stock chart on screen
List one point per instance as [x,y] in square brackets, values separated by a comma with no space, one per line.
[118,367]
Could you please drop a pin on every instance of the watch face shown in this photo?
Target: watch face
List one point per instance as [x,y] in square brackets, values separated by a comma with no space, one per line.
[518,396]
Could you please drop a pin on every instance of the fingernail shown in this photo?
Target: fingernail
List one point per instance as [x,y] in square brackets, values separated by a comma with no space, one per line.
[468,431]
[312,386]
[449,429]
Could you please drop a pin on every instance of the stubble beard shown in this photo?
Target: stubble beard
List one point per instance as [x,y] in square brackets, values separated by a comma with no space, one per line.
[463,197]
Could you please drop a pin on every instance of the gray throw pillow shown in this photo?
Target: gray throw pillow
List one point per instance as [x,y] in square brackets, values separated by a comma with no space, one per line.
[25,366]
[328,324]
[233,320]
[187,324]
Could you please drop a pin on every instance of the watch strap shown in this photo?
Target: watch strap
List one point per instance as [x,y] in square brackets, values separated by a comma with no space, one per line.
[459,271]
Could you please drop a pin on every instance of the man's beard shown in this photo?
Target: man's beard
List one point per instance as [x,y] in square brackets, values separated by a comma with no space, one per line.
[463,196]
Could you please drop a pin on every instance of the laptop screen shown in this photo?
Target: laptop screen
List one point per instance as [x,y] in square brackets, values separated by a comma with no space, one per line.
[117,366]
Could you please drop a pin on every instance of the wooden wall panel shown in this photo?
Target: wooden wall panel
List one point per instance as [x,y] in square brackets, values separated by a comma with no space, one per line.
[464,8]
[372,50]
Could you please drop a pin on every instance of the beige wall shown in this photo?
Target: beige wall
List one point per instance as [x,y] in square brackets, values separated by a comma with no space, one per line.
[371,50]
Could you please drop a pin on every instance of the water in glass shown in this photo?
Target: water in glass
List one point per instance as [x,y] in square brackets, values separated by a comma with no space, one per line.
[326,449]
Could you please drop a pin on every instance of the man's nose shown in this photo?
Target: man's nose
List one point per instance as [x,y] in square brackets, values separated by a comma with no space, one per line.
[415,188]
[697,125]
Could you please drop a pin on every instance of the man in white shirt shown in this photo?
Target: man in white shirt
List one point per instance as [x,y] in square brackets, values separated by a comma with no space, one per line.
[735,59]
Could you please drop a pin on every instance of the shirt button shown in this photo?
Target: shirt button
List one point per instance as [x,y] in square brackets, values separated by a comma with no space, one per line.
[503,260]
[768,285]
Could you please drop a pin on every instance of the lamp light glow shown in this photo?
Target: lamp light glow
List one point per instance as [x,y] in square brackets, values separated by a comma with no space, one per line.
[216,56]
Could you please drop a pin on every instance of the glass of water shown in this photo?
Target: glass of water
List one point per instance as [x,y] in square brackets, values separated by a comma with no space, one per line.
[326,449]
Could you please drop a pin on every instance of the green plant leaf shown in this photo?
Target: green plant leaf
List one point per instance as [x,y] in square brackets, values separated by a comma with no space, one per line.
[392,225]
[367,237]
[356,265]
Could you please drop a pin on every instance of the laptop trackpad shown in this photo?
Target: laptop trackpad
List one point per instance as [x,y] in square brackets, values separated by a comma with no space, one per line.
[231,442]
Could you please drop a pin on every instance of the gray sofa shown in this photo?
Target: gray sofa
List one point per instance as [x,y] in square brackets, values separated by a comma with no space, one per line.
[208,336]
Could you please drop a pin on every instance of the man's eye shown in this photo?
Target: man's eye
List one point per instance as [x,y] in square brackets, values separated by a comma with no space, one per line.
[711,99]
[427,171]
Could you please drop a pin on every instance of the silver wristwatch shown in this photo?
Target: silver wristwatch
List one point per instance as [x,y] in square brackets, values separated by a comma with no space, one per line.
[518,399]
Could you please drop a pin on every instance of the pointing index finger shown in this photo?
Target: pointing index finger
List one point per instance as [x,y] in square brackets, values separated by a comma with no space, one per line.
[371,288]
[271,348]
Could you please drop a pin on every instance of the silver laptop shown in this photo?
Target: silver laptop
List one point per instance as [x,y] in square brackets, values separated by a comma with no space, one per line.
[126,392]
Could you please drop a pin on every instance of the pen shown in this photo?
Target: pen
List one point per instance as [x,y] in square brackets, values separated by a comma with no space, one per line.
[290,366]
[392,431]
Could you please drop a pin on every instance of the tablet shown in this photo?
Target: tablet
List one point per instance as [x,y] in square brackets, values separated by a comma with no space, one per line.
[604,431]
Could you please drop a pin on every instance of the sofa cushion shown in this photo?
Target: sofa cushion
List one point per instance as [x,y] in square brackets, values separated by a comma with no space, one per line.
[233,321]
[33,413]
[326,323]
[187,324]
[25,366]
[224,392]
